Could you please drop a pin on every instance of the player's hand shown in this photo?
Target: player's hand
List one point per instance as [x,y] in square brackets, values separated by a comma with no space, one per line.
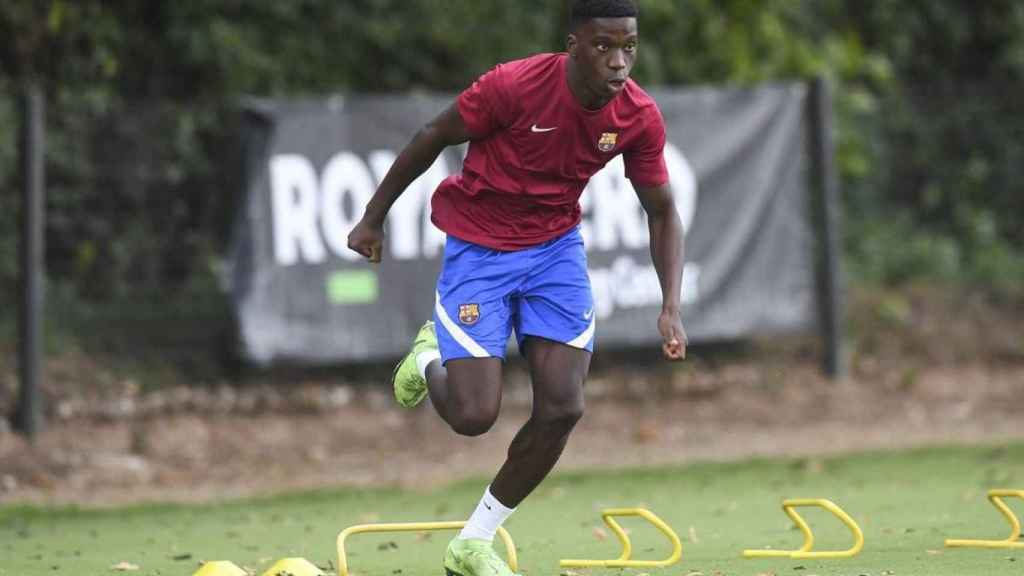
[673,336]
[367,238]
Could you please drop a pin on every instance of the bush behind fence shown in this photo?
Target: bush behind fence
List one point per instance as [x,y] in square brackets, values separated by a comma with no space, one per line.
[142,165]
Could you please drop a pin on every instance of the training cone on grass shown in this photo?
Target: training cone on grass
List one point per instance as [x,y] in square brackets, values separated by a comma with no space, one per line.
[294,567]
[220,568]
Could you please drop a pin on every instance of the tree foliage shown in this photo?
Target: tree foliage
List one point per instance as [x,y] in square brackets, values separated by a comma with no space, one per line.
[140,95]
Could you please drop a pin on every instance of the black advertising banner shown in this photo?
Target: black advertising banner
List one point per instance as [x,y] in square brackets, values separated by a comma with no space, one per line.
[737,162]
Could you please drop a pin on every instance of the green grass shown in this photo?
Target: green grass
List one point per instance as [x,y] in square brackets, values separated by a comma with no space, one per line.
[907,503]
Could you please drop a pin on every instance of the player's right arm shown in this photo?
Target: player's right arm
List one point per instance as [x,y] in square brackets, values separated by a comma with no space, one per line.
[447,129]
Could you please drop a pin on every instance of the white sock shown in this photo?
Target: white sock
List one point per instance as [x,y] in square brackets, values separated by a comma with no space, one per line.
[484,522]
[425,358]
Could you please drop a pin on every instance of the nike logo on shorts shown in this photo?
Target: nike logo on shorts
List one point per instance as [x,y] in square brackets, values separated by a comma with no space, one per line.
[588,314]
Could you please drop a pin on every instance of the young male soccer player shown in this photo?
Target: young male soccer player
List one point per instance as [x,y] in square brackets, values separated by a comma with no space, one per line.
[538,129]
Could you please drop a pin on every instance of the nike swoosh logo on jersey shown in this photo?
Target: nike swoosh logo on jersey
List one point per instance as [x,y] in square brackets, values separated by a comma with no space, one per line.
[534,128]
[588,314]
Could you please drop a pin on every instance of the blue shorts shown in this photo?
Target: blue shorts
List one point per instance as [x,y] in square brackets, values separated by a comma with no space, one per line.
[484,294]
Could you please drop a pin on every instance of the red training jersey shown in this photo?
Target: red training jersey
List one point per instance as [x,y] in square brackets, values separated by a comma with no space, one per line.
[533,149]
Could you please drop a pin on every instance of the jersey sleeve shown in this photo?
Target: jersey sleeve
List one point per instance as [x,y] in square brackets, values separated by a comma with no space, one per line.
[485,106]
[645,159]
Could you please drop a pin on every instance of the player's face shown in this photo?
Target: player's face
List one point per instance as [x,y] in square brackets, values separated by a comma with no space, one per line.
[604,50]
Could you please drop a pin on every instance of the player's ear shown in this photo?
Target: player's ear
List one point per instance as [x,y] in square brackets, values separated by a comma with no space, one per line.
[570,45]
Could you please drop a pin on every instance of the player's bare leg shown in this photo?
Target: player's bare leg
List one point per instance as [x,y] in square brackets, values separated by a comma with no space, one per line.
[558,372]
[466,392]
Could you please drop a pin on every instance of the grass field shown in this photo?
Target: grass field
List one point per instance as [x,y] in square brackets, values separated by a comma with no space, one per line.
[907,503]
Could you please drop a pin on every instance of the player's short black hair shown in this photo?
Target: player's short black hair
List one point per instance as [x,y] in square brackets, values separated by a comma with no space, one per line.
[584,10]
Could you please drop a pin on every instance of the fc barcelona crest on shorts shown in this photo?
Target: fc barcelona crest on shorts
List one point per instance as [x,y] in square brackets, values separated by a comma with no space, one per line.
[607,141]
[469,313]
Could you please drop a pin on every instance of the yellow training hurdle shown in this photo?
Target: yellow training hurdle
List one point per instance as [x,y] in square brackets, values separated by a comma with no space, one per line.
[624,561]
[510,547]
[996,498]
[805,551]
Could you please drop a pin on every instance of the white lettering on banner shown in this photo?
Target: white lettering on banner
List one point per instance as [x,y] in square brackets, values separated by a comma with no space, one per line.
[616,219]
[309,212]
[294,201]
[344,173]
[403,229]
[410,232]
[433,239]
[627,284]
[684,184]
[613,217]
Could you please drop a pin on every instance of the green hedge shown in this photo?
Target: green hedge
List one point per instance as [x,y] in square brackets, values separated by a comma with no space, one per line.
[928,113]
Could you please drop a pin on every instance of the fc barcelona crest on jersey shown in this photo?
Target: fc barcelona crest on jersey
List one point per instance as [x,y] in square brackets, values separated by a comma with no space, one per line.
[469,313]
[607,141]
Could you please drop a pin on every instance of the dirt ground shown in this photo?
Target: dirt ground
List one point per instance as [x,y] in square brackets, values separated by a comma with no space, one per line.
[913,381]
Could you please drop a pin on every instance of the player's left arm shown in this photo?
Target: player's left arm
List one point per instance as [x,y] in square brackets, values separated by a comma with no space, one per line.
[666,231]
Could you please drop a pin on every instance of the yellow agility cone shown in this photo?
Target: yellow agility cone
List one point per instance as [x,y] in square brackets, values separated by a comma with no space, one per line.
[220,568]
[294,567]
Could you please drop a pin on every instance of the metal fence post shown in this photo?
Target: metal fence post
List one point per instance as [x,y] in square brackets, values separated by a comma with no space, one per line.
[29,415]
[825,205]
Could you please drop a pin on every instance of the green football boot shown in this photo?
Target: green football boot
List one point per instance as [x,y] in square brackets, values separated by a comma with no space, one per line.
[410,387]
[473,557]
